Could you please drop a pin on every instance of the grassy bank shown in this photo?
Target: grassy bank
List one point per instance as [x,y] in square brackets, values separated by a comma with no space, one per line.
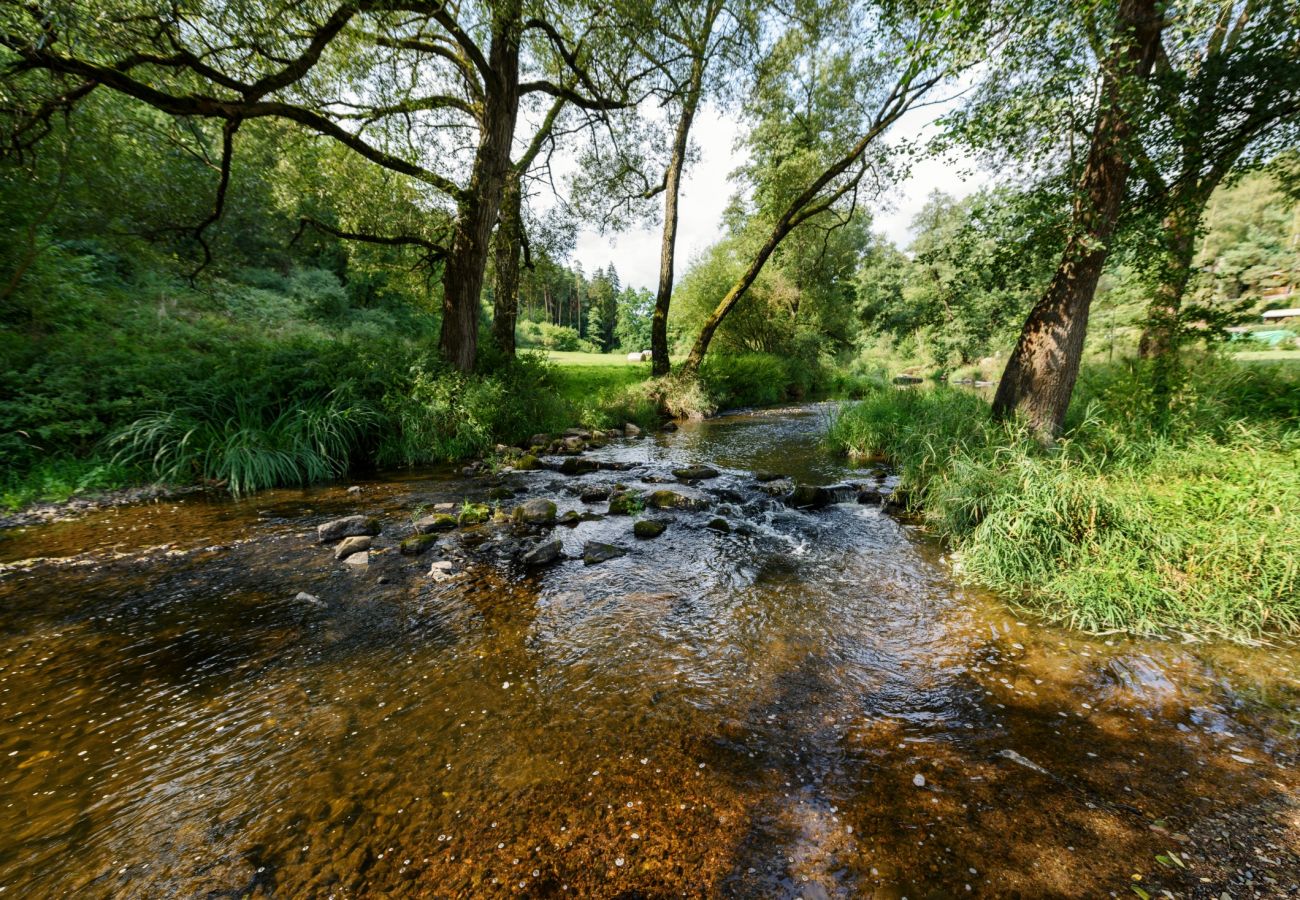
[1134,520]
[114,375]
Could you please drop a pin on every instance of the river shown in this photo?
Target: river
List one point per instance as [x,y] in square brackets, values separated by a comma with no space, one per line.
[805,705]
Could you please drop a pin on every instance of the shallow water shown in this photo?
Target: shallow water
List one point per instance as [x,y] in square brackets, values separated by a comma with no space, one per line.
[808,706]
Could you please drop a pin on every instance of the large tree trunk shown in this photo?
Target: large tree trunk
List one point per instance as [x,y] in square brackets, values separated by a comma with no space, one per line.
[476,214]
[1041,373]
[505,309]
[1160,334]
[659,362]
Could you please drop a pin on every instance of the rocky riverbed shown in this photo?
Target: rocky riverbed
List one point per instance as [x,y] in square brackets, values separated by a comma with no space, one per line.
[703,663]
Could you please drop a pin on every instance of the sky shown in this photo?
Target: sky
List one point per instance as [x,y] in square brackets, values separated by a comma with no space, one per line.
[706,191]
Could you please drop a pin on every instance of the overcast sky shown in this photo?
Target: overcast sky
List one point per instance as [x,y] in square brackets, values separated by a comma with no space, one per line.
[706,190]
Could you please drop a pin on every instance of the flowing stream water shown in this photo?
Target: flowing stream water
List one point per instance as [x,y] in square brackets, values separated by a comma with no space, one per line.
[807,705]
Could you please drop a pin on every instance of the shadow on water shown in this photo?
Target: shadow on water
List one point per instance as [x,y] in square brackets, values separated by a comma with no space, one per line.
[802,704]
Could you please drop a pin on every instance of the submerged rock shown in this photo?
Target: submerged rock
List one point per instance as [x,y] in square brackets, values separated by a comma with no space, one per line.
[576,465]
[869,495]
[719,524]
[668,426]
[542,554]
[595,493]
[500,492]
[435,522]
[815,496]
[416,544]
[649,528]
[695,473]
[762,475]
[596,552]
[348,526]
[537,511]
[351,545]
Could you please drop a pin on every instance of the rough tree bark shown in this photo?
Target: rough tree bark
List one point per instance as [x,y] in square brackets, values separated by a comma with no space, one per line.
[510,232]
[1041,373]
[476,214]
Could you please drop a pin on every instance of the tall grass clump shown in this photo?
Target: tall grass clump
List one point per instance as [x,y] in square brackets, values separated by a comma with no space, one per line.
[1137,518]
[247,444]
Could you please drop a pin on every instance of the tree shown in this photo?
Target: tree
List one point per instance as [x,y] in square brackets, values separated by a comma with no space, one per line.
[1225,95]
[405,84]
[602,308]
[835,82]
[635,309]
[685,43]
[1041,372]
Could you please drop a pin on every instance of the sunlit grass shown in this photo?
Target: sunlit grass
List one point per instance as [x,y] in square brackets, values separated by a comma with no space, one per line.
[1185,522]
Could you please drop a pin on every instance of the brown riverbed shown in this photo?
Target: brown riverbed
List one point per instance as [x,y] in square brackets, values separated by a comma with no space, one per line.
[806,706]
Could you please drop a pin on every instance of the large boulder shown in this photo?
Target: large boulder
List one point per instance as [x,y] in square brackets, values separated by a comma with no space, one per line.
[348,526]
[542,554]
[538,511]
[695,473]
[597,552]
[351,545]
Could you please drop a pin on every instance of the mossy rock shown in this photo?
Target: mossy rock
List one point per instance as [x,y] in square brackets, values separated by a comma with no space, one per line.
[474,514]
[416,544]
[435,522]
[625,503]
[500,492]
[527,462]
[673,500]
[720,525]
[649,528]
[535,512]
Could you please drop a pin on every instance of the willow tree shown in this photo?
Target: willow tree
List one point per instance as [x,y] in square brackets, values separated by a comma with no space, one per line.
[1040,374]
[425,90]
[839,77]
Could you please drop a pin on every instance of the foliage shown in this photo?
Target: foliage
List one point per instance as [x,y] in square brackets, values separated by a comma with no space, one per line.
[1131,520]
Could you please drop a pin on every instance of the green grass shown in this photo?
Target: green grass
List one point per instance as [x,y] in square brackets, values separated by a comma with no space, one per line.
[1177,523]
[1291,356]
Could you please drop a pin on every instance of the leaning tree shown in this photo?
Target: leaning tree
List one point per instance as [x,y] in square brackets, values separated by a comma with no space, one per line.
[838,78]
